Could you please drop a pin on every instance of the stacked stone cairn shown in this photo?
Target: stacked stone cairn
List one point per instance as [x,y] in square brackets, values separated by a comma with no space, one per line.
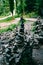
[19,48]
[38,32]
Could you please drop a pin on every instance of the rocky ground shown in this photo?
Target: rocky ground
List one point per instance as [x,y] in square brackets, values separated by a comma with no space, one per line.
[38,55]
[8,37]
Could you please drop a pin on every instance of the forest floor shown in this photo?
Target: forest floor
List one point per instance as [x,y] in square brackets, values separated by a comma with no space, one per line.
[15,21]
[6,24]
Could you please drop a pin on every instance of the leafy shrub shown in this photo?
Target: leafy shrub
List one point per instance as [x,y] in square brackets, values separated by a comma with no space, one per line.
[32,15]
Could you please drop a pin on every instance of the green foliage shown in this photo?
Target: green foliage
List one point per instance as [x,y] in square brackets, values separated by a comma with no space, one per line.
[39,7]
[20,5]
[25,6]
[29,5]
[4,6]
[11,3]
[16,16]
[4,14]
[32,15]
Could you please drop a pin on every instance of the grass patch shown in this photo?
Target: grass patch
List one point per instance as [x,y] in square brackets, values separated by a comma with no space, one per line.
[9,19]
[16,16]
[5,14]
[9,28]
